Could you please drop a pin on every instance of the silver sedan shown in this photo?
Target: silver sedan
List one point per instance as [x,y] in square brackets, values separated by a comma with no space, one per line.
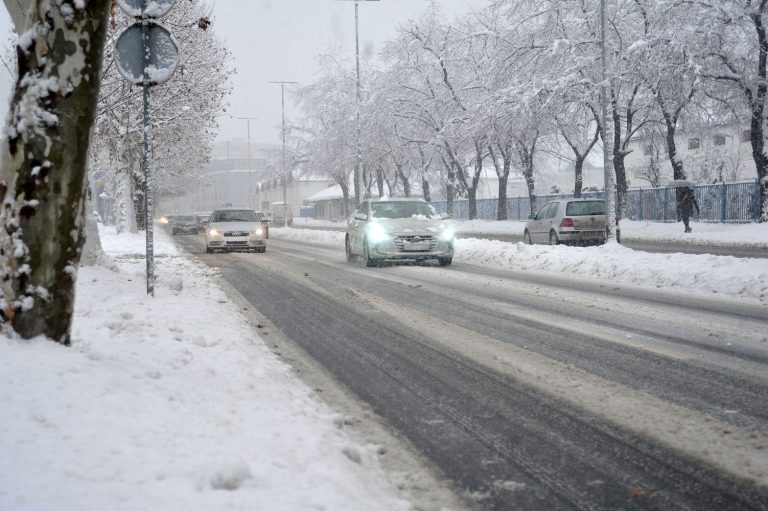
[397,230]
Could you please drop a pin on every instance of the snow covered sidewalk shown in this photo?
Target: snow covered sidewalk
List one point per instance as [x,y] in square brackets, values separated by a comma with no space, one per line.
[169,403]
[723,276]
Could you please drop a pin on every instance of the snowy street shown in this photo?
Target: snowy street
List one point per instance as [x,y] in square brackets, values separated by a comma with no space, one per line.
[530,389]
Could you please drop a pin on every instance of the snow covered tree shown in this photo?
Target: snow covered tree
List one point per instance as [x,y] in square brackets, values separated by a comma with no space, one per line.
[184,112]
[731,39]
[44,164]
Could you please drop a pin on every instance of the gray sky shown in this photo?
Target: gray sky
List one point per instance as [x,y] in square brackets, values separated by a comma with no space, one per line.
[280,40]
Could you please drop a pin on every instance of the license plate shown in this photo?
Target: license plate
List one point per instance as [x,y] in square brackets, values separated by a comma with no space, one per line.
[419,246]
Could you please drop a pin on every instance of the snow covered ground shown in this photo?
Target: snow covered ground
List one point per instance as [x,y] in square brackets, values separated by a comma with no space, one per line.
[724,276]
[170,403]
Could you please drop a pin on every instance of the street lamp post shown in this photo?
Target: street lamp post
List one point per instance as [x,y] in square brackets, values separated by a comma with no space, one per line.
[250,180]
[285,177]
[359,159]
[610,208]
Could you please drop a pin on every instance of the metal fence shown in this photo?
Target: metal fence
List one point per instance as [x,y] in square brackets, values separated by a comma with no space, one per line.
[725,202]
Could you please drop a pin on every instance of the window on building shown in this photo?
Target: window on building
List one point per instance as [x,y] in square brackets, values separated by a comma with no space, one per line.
[718,139]
[647,150]
[746,135]
[694,143]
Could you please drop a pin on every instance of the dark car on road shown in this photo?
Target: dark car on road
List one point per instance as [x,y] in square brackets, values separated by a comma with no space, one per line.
[184,224]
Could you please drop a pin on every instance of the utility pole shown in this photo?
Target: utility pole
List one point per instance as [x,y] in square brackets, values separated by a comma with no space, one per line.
[610,208]
[359,159]
[282,169]
[250,179]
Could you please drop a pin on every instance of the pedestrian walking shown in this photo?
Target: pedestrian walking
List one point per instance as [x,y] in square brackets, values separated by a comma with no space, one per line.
[685,204]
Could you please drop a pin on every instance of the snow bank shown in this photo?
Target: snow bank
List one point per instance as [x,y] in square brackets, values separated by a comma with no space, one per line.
[722,275]
[169,403]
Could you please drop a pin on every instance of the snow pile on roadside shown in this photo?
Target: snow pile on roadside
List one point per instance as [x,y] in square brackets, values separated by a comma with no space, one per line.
[169,403]
[722,275]
[309,235]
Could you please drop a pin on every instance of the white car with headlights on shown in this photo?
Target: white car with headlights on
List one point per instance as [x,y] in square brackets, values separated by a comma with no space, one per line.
[398,230]
[235,230]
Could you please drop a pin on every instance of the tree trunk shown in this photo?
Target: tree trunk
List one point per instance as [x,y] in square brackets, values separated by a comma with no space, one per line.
[93,254]
[526,156]
[425,189]
[380,180]
[619,152]
[757,134]
[579,177]
[345,198]
[138,197]
[44,165]
[472,190]
[621,181]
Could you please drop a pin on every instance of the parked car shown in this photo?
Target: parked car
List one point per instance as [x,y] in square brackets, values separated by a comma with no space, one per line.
[202,220]
[264,219]
[568,221]
[278,210]
[235,229]
[398,229]
[183,224]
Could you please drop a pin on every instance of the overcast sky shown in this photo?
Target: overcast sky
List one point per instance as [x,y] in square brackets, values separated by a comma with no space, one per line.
[280,40]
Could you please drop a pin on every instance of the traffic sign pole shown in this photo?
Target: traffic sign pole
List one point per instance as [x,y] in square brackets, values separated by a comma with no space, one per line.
[148,188]
[142,47]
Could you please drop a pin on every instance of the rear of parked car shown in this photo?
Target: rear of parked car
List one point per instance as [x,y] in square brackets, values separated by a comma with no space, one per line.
[569,221]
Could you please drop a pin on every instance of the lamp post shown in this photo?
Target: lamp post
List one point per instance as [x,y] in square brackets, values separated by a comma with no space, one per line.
[610,208]
[359,159]
[282,85]
[250,180]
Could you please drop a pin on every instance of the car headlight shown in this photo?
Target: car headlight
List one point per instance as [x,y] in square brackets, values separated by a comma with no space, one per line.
[377,234]
[163,220]
[447,235]
[258,232]
[213,232]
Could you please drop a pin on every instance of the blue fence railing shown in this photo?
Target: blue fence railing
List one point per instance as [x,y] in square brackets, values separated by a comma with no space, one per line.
[725,202]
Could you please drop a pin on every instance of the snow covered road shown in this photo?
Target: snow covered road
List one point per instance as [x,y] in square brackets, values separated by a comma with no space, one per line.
[532,390]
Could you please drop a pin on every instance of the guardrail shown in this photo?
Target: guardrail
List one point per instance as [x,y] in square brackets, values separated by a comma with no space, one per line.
[724,202]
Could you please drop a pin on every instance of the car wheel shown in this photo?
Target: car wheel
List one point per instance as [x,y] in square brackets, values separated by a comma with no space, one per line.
[527,238]
[208,250]
[369,261]
[174,232]
[553,238]
[194,232]
[348,250]
[444,261]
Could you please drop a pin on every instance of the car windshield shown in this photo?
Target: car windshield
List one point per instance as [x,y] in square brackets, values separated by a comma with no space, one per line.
[402,210]
[185,219]
[584,208]
[235,215]
[261,216]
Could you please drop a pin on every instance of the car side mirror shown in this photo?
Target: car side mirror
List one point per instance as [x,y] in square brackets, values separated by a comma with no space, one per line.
[531,216]
[360,216]
[445,216]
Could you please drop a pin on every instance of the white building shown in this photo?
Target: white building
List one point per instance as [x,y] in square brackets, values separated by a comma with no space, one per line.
[709,154]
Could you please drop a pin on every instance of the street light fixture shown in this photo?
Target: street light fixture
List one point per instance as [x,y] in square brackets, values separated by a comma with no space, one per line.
[359,161]
[282,85]
[250,180]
